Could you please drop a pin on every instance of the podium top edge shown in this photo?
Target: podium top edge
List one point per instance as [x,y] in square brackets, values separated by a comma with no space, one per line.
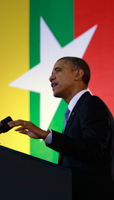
[26,156]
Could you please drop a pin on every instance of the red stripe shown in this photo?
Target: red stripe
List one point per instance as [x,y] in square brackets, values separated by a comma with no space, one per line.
[99,54]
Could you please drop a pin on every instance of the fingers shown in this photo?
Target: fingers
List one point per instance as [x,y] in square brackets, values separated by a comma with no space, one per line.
[23,132]
[28,128]
[21,123]
[18,123]
[22,128]
[25,127]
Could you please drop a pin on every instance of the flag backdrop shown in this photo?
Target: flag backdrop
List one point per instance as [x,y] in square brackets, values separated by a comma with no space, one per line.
[33,33]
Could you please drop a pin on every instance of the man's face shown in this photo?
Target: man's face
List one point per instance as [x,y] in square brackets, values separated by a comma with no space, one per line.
[62,80]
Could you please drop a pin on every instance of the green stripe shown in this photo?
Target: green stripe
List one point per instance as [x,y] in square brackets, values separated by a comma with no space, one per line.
[59,17]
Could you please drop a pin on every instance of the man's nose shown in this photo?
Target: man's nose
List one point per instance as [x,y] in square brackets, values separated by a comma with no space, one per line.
[52,77]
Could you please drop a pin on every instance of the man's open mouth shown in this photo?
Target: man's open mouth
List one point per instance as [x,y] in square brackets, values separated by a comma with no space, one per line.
[54,85]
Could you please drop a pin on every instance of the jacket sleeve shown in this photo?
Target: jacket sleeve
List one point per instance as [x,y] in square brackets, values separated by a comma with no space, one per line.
[96,126]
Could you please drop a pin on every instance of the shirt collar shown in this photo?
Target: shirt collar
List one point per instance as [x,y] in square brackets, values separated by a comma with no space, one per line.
[75,99]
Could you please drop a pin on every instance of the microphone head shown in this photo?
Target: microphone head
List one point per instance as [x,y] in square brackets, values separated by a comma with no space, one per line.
[4,127]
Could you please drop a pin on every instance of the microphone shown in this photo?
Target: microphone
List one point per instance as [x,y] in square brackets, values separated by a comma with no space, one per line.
[4,127]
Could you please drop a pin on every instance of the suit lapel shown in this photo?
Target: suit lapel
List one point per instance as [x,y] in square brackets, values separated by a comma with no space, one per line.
[74,111]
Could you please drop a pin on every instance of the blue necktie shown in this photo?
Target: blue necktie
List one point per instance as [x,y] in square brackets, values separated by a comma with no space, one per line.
[66,117]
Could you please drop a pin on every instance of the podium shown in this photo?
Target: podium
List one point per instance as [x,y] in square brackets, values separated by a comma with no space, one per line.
[24,177]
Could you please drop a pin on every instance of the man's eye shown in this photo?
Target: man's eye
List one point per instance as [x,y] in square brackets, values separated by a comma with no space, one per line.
[58,70]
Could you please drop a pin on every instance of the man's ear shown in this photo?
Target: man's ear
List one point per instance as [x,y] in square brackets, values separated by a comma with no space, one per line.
[79,74]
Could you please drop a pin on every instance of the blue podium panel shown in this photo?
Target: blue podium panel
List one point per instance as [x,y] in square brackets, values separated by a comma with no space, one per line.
[24,177]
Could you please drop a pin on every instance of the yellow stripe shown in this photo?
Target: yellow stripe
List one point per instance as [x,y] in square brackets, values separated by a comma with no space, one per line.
[14,61]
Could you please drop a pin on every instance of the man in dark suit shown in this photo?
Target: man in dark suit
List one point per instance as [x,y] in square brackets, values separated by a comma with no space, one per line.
[86,143]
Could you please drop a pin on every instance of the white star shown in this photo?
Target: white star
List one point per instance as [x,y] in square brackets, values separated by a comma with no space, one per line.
[37,78]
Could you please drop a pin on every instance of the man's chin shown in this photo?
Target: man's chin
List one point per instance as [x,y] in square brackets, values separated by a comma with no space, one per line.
[57,95]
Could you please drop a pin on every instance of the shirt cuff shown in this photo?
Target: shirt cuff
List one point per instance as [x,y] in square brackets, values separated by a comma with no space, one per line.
[48,139]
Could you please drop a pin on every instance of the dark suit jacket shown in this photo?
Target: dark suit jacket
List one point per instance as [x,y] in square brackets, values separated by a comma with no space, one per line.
[86,145]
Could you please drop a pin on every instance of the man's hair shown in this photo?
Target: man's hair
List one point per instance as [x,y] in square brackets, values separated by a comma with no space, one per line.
[78,63]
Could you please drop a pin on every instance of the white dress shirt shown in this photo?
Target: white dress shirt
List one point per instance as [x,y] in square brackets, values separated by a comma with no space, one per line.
[71,105]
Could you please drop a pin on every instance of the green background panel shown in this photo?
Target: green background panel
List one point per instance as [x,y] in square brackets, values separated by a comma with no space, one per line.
[59,17]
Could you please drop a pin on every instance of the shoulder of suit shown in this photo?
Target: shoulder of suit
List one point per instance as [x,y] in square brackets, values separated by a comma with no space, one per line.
[92,99]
